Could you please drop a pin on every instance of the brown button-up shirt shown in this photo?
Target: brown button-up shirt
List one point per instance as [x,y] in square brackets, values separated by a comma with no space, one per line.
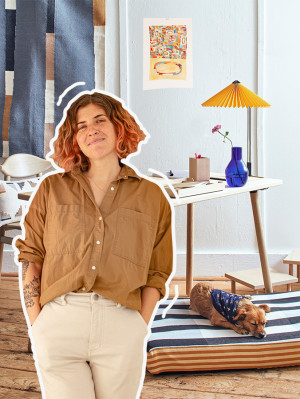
[113,250]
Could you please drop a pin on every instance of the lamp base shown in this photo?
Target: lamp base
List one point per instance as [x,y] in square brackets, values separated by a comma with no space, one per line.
[249,168]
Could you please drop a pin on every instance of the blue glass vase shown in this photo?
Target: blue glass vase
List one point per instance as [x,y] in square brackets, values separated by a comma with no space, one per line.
[236,172]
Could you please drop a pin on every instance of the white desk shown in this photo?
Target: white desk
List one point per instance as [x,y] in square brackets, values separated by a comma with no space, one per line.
[253,185]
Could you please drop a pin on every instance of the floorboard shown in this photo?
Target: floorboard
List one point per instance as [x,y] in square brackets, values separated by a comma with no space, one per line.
[18,378]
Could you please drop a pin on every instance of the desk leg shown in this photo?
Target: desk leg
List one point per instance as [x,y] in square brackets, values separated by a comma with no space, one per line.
[189,248]
[261,242]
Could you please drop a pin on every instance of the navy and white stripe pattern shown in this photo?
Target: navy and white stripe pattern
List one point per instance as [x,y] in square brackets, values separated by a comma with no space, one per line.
[184,330]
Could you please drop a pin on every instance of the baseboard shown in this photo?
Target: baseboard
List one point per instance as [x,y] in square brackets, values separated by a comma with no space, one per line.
[219,264]
[204,264]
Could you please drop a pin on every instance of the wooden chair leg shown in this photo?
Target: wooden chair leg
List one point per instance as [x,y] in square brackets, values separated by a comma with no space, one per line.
[298,273]
[233,287]
[289,287]
[291,269]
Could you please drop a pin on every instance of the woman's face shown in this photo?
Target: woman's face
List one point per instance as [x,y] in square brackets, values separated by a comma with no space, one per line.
[96,134]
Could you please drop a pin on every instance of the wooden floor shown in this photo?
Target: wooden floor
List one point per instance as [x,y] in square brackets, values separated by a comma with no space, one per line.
[18,377]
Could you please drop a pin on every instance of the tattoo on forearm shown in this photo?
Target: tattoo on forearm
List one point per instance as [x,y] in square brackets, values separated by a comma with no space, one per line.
[25,266]
[31,290]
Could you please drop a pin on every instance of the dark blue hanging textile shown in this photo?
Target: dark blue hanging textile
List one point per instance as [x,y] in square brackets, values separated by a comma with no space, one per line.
[10,39]
[74,59]
[27,116]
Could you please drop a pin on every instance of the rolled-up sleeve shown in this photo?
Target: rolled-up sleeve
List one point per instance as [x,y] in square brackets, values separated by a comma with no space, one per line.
[31,249]
[161,264]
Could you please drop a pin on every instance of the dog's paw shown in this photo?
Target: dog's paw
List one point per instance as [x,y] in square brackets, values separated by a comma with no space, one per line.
[243,331]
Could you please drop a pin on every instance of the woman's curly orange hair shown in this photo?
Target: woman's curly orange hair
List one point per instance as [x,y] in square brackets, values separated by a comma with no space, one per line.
[67,153]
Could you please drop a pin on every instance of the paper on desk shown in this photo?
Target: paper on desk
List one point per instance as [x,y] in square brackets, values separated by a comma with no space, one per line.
[189,184]
[176,174]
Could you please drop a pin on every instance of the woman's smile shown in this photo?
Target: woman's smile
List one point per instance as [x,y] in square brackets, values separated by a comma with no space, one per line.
[96,140]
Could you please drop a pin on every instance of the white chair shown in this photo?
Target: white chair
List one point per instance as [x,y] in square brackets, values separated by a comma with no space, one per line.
[19,166]
[24,165]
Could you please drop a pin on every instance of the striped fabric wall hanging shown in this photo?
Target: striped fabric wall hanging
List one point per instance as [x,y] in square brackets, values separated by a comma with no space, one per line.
[27,114]
[73,50]
[46,46]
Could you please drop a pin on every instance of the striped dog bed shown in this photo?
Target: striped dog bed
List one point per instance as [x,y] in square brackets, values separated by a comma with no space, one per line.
[185,341]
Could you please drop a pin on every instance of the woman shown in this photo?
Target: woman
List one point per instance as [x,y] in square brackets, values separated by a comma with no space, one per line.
[96,256]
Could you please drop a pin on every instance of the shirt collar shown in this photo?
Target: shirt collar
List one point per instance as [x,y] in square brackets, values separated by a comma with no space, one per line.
[125,172]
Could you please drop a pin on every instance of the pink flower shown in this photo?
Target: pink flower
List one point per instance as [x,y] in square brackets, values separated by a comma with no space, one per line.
[225,136]
[216,128]
[197,156]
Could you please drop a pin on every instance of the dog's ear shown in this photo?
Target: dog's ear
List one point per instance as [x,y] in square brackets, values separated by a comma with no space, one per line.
[241,314]
[266,308]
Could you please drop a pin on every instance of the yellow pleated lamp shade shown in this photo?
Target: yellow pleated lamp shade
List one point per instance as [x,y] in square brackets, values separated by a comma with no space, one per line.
[236,95]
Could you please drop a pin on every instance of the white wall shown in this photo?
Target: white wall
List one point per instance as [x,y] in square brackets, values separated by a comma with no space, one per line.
[226,46]
[282,135]
[256,42]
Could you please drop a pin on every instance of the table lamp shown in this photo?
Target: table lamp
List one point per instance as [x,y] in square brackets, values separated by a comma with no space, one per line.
[237,95]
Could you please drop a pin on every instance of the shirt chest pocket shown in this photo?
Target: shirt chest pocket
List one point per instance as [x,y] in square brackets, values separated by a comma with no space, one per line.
[64,229]
[135,236]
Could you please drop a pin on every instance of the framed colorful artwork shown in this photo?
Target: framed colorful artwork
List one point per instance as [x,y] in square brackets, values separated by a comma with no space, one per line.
[167,53]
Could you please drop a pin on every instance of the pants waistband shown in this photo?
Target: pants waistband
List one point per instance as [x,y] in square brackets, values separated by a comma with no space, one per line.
[87,297]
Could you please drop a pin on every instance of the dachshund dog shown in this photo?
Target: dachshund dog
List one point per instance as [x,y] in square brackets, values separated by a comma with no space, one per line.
[229,310]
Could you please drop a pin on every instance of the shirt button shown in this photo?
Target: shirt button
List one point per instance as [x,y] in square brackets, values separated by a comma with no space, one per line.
[93,267]
[112,188]
[100,218]
[98,242]
[83,289]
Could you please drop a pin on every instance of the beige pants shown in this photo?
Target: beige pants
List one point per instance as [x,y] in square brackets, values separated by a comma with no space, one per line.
[88,347]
